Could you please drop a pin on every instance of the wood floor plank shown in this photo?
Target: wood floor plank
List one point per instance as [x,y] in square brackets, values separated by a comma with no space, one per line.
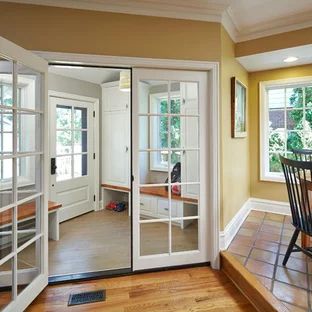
[193,290]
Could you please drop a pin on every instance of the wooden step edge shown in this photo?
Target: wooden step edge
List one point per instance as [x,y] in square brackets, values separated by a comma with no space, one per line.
[258,295]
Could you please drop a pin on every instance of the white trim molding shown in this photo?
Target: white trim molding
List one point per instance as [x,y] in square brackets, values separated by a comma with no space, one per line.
[264,86]
[233,226]
[258,204]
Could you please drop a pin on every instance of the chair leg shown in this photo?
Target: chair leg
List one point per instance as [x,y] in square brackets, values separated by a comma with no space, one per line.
[291,246]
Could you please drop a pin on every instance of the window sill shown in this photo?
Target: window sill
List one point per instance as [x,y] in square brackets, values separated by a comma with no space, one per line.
[271,177]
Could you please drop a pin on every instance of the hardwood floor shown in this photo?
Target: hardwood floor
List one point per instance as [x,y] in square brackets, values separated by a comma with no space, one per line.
[194,290]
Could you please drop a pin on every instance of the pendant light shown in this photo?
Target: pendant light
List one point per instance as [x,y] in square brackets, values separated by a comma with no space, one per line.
[124,81]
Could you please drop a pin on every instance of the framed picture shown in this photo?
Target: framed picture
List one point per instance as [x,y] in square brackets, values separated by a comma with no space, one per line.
[238,108]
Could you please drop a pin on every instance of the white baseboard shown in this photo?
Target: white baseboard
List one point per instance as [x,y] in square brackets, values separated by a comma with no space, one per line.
[233,226]
[269,206]
[259,204]
[100,205]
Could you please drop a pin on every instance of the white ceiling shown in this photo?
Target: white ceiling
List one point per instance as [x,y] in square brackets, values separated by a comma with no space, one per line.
[274,59]
[89,74]
[244,19]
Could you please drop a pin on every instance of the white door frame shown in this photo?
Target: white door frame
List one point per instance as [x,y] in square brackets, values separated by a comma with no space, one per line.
[214,122]
[96,137]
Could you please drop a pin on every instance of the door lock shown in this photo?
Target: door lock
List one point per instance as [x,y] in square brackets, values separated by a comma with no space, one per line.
[53,166]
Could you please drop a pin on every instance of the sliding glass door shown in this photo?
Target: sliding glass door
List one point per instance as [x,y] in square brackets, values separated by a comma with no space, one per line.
[169,164]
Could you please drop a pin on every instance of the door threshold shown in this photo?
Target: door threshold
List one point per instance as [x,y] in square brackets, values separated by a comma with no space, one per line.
[77,277]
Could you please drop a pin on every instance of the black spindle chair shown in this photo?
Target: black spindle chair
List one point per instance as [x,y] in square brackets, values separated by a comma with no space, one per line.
[298,176]
[303,154]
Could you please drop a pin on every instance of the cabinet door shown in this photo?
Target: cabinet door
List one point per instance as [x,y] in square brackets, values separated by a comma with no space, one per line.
[116,148]
[189,139]
[114,99]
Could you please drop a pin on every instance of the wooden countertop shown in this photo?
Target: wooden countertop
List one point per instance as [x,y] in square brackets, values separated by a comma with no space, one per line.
[25,211]
[160,191]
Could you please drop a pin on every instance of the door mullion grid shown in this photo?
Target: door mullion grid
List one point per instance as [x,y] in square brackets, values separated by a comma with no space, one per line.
[72,142]
[169,164]
[14,185]
[199,223]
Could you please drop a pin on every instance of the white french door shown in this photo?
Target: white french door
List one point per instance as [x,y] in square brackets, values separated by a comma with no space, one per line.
[23,179]
[170,132]
[72,150]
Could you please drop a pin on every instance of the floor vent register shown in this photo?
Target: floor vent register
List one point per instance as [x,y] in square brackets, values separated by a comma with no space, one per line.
[86,297]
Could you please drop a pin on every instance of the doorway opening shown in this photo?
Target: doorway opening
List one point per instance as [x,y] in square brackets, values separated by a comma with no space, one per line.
[90,153]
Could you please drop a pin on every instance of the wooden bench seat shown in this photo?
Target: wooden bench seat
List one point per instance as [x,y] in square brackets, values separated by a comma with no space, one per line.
[28,211]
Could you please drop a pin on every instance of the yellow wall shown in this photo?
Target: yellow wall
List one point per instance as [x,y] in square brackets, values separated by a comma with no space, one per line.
[235,152]
[275,42]
[261,189]
[90,32]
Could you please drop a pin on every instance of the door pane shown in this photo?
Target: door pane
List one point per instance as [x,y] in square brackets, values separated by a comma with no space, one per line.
[6,81]
[6,284]
[80,141]
[63,117]
[154,167]
[6,237]
[63,142]
[80,118]
[154,203]
[154,238]
[184,235]
[64,168]
[6,174]
[28,216]
[28,84]
[28,265]
[80,165]
[28,139]
[29,176]
[6,132]
[153,97]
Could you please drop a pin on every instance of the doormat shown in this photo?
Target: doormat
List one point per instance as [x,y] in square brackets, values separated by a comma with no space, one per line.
[87,297]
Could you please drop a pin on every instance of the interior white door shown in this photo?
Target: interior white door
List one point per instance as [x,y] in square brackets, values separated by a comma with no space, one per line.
[172,135]
[72,147]
[23,176]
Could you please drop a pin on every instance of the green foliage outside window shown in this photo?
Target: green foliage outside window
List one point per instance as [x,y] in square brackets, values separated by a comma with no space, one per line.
[175,127]
[300,135]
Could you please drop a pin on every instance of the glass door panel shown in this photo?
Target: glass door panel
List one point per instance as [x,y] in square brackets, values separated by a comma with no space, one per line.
[167,201]
[23,201]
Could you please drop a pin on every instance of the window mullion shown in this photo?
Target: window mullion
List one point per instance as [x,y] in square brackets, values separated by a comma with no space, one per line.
[285,123]
[304,118]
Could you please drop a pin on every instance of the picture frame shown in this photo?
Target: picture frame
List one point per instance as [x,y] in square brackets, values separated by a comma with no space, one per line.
[238,109]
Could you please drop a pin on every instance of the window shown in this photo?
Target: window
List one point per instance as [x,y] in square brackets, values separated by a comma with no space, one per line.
[159,130]
[286,122]
[71,142]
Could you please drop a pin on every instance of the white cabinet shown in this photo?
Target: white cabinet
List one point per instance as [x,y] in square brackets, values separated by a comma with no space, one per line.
[115,135]
[189,139]
[158,208]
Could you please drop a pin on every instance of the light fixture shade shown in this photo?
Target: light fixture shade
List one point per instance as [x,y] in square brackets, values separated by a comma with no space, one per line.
[124,81]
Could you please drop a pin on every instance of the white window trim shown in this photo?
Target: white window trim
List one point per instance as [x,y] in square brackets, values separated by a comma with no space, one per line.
[265,175]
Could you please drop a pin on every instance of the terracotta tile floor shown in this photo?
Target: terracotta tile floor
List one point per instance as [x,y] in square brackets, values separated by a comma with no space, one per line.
[260,245]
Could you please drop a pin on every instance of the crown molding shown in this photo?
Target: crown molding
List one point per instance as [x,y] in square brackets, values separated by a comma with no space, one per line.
[189,10]
[228,23]
[213,11]
[291,23]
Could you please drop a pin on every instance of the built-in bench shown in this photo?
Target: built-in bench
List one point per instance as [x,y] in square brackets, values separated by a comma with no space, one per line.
[27,212]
